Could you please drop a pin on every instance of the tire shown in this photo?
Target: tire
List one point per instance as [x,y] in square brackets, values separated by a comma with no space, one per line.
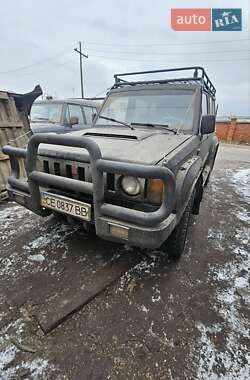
[175,244]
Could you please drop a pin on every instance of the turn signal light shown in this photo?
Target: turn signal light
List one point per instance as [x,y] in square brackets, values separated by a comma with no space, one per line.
[155,191]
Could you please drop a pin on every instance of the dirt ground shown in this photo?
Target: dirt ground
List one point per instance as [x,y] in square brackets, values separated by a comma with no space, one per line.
[156,320]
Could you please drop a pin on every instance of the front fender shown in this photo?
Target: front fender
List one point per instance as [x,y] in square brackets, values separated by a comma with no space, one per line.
[186,179]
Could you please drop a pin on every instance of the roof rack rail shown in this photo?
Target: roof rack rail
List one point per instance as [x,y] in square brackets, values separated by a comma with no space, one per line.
[199,76]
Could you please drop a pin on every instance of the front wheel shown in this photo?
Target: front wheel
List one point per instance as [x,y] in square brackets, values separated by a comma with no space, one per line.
[175,244]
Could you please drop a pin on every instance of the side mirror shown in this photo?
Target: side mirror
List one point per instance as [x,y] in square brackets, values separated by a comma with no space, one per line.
[207,124]
[73,120]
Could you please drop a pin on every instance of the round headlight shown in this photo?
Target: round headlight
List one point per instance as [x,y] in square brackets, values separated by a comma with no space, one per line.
[130,185]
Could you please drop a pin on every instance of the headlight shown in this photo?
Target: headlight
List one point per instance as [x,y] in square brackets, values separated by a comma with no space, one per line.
[130,185]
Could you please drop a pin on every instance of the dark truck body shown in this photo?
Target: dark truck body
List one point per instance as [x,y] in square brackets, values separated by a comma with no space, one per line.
[88,167]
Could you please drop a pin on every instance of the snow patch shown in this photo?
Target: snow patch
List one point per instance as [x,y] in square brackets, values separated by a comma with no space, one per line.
[241,181]
[7,355]
[39,258]
[144,266]
[243,215]
[231,362]
[37,368]
[156,297]
[9,366]
[144,309]
[229,365]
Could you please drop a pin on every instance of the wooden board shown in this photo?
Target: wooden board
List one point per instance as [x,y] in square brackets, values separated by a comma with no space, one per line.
[13,126]
[74,299]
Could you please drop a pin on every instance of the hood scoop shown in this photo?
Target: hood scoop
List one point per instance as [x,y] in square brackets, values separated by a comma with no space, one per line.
[111,135]
[119,133]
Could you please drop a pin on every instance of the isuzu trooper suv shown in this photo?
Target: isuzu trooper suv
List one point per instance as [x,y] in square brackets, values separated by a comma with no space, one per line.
[138,173]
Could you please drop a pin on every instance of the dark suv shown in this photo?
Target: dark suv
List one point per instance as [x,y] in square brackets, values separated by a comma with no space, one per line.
[139,172]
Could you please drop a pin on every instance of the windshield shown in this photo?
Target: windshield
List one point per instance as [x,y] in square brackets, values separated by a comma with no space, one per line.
[50,112]
[174,108]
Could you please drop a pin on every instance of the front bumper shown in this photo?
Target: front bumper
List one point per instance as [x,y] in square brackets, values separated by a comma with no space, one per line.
[145,229]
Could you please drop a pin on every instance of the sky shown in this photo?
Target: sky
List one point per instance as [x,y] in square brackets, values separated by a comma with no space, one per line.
[38,38]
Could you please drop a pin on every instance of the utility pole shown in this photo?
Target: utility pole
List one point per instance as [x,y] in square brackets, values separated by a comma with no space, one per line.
[79,51]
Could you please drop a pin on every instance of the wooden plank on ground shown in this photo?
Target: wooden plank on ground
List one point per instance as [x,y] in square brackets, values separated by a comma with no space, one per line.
[74,299]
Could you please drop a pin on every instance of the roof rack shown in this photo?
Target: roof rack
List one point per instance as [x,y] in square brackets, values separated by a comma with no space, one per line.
[199,76]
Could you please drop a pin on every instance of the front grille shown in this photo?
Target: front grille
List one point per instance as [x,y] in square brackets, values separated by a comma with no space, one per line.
[82,172]
[110,181]
[57,169]
[69,169]
[46,166]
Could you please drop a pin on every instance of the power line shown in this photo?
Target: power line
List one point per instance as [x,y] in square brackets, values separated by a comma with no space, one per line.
[155,60]
[175,53]
[54,67]
[167,44]
[45,60]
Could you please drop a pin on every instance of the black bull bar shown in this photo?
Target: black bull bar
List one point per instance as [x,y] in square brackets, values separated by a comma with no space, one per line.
[99,165]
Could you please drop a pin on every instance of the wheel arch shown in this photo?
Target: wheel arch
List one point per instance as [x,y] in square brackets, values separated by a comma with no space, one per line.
[189,174]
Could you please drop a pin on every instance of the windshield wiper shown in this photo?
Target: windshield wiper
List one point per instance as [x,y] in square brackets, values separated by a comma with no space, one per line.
[116,121]
[163,126]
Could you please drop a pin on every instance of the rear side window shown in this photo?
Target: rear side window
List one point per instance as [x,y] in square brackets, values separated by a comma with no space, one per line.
[211,106]
[204,104]
[89,112]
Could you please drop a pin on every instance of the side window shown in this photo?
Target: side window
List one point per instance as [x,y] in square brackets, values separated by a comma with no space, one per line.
[204,104]
[76,111]
[212,106]
[89,112]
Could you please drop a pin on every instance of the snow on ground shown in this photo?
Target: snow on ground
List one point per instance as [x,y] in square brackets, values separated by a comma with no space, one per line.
[13,215]
[241,181]
[32,256]
[9,368]
[233,360]
[54,238]
[145,266]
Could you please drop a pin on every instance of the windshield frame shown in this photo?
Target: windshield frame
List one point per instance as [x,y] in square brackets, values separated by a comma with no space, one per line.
[166,89]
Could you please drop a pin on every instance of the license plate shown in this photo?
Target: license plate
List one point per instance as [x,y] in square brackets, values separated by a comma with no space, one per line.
[66,205]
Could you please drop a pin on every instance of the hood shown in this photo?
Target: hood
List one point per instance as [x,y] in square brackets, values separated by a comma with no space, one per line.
[146,146]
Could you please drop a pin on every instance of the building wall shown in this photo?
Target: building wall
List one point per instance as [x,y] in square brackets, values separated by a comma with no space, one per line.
[237,131]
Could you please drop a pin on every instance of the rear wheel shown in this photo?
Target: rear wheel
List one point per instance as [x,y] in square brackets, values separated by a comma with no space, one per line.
[175,244]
